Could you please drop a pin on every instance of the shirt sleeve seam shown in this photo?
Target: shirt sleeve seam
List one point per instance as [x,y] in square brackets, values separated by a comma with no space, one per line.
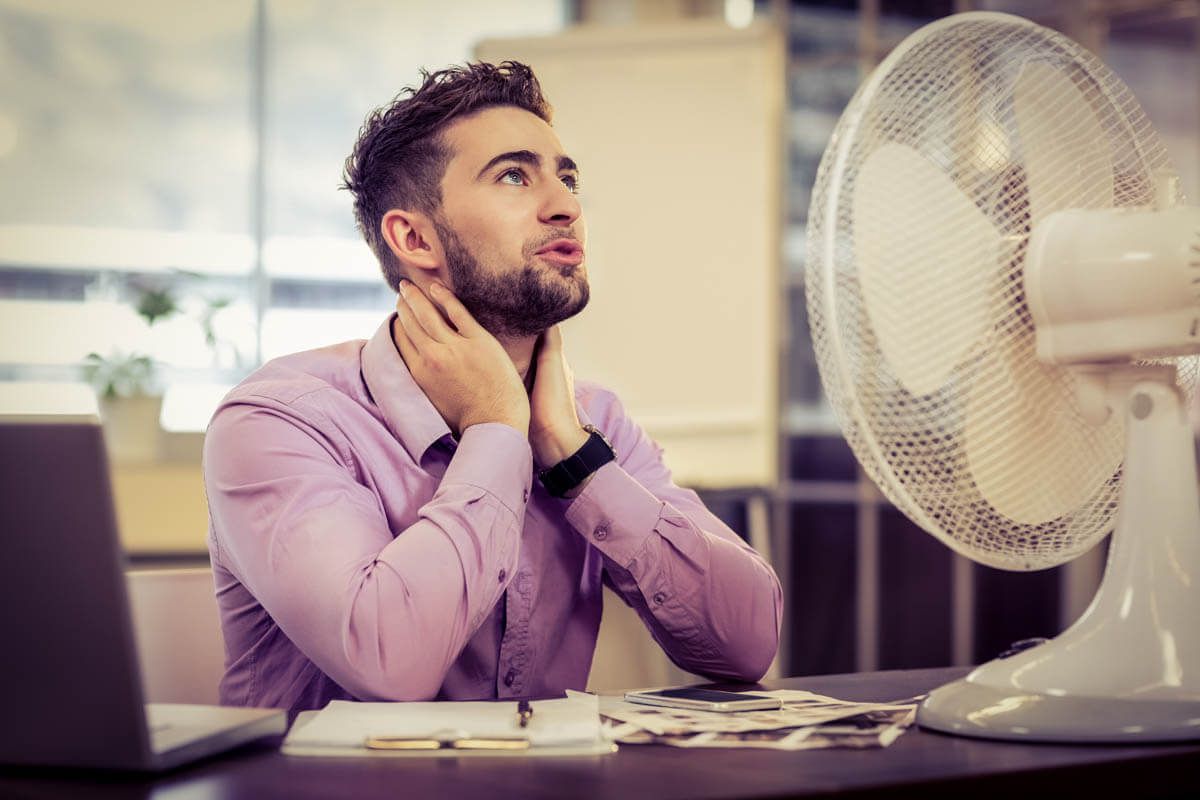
[302,405]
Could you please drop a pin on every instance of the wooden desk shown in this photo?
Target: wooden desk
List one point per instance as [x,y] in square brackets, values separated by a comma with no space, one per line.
[931,764]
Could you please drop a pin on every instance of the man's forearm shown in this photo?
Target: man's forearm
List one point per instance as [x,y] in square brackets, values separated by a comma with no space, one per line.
[384,613]
[711,601]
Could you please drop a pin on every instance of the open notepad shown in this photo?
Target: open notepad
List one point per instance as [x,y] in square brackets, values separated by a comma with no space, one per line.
[569,726]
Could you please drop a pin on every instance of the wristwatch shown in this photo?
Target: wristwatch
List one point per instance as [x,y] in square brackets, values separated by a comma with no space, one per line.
[575,468]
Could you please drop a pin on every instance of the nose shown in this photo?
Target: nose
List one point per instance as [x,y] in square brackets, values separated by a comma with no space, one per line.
[560,206]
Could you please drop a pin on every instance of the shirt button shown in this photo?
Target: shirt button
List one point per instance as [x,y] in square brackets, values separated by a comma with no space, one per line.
[509,677]
[601,533]
[526,495]
[503,575]
[660,598]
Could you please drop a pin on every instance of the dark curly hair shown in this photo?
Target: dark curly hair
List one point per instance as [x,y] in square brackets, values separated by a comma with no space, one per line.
[400,157]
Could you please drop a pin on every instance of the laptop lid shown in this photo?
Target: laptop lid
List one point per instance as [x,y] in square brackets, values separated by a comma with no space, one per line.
[70,672]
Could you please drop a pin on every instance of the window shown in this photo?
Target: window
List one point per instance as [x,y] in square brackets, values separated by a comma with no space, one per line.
[197,150]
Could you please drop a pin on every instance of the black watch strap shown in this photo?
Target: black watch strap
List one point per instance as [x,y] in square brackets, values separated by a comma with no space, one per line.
[575,468]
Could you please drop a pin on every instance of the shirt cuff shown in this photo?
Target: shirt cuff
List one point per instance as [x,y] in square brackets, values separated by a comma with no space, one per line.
[496,458]
[615,513]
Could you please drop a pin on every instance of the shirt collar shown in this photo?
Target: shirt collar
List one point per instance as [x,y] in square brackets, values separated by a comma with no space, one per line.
[407,411]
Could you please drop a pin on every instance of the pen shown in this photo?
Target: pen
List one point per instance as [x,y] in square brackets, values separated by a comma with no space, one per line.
[406,743]
[524,712]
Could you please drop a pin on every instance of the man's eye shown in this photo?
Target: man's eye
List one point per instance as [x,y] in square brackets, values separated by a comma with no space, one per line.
[513,173]
[571,182]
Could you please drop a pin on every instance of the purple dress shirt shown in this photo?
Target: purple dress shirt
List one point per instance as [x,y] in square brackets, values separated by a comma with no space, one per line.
[361,552]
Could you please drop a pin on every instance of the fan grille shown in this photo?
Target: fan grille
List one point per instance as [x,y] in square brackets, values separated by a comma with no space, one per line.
[977,457]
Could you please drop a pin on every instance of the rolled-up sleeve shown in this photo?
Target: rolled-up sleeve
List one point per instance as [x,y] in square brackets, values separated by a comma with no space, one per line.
[712,602]
[383,612]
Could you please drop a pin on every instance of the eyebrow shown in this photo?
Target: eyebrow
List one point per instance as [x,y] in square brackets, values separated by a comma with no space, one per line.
[526,157]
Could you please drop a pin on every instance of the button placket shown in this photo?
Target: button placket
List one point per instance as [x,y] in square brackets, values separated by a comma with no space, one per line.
[515,653]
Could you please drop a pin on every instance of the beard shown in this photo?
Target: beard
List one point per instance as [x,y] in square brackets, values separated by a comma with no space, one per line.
[514,304]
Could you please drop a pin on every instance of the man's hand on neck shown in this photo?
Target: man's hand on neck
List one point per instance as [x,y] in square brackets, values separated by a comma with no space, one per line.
[460,367]
[554,428]
[471,376]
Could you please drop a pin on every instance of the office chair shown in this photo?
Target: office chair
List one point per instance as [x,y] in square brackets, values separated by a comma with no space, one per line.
[178,634]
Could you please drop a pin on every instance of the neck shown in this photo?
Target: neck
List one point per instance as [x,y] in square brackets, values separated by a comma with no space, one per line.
[521,351]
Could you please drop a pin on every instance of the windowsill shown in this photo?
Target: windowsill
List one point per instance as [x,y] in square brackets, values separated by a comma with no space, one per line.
[175,448]
[160,504]
[181,447]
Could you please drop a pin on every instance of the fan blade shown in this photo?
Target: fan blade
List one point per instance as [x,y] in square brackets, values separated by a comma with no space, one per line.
[1067,158]
[1031,453]
[925,255]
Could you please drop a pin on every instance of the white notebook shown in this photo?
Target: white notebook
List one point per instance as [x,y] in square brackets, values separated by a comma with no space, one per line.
[567,726]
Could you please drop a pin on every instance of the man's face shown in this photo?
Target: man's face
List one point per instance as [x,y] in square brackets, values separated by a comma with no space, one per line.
[510,224]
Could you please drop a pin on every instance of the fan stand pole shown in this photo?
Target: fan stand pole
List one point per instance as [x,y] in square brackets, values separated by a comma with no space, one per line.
[1129,669]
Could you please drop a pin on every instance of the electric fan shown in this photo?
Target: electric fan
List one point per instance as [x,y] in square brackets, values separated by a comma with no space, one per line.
[1004,291]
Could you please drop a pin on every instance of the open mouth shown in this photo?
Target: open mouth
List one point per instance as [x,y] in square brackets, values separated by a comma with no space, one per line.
[564,246]
[562,251]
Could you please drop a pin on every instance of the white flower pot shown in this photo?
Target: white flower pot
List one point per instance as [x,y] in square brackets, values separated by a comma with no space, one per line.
[131,429]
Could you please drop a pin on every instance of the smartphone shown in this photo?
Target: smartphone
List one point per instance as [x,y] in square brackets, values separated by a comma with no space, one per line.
[705,700]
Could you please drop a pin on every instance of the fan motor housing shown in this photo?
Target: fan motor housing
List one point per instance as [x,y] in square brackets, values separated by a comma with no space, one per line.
[1115,284]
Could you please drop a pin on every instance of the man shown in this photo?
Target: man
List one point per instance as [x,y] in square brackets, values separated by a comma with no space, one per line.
[377,531]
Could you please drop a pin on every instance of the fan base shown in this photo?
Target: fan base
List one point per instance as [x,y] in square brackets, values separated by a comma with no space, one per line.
[964,708]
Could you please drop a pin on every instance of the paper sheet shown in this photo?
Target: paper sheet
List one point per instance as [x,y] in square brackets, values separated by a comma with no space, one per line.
[807,721]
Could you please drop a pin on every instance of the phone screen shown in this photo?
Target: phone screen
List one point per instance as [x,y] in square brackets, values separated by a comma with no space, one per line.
[709,695]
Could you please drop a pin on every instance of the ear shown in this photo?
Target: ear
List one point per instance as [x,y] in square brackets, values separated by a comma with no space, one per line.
[411,237]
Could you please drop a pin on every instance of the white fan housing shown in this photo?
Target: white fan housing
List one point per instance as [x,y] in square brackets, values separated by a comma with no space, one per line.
[1004,294]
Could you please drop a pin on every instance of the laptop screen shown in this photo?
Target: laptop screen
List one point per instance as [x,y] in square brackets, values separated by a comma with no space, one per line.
[70,669]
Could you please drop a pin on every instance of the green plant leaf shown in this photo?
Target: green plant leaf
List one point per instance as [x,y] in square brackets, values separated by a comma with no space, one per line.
[120,374]
[156,304]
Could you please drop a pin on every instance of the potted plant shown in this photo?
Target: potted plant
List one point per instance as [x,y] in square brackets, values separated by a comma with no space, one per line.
[128,387]
[128,384]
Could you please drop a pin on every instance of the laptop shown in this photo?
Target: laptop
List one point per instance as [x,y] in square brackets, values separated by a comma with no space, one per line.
[72,690]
